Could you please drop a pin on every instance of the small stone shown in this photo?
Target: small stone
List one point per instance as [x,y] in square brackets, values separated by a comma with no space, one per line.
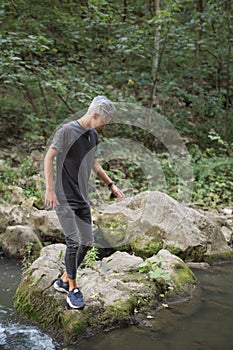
[227,211]
[227,233]
[198,265]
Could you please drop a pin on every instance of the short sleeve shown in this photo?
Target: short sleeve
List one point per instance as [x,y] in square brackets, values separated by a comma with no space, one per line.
[61,139]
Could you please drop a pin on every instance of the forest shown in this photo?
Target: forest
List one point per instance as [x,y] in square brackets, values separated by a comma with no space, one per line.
[173,57]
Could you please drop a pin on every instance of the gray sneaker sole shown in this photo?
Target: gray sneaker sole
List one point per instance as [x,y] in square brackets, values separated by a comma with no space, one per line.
[73,306]
[60,289]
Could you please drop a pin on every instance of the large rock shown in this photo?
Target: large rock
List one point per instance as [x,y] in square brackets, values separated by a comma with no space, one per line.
[5,211]
[11,215]
[16,194]
[223,217]
[178,271]
[152,220]
[20,242]
[47,223]
[40,225]
[114,291]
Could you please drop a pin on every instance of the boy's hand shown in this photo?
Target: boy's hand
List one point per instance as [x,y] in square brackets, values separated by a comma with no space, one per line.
[117,192]
[51,200]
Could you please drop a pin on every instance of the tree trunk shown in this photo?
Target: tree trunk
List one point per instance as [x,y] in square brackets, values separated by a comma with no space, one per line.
[197,61]
[124,15]
[228,73]
[198,37]
[155,65]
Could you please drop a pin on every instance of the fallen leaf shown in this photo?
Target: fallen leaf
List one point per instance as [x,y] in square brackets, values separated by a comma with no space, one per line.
[165,305]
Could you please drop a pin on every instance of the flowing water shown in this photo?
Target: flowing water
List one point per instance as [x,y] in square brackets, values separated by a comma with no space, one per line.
[204,323]
[13,335]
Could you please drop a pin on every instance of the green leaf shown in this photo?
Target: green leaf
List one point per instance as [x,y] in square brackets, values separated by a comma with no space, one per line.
[143,267]
[166,277]
[156,273]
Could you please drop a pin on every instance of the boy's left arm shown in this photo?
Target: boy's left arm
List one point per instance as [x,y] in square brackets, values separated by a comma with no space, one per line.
[106,179]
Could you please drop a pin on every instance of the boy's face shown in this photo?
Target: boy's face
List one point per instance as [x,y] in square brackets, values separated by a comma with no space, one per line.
[101,121]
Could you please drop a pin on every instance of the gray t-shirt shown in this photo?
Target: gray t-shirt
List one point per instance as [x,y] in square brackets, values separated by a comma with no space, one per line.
[76,147]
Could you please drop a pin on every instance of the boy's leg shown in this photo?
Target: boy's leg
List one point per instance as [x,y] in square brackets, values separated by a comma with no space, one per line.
[64,277]
[72,283]
[68,223]
[84,224]
[77,229]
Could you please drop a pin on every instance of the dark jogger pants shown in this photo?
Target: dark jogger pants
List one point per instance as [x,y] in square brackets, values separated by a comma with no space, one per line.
[77,228]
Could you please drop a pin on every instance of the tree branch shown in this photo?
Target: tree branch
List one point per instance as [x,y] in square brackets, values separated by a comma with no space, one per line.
[66,104]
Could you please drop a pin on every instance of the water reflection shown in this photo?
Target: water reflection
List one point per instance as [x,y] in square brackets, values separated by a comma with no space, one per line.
[207,326]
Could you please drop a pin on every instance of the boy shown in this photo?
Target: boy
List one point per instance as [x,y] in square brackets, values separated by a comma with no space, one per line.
[74,146]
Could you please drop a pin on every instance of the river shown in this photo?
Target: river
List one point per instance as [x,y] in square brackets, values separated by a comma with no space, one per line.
[203,325]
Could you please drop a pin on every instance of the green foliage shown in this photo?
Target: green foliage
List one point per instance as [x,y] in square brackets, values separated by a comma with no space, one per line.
[60,255]
[28,256]
[17,176]
[213,180]
[212,171]
[57,55]
[154,271]
[91,257]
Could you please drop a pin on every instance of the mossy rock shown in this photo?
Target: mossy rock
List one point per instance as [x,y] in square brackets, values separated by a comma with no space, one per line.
[113,229]
[182,279]
[21,242]
[112,290]
[151,220]
[214,258]
[146,248]
[50,311]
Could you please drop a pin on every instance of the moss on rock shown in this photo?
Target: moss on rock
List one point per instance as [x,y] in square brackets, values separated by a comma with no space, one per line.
[37,305]
[113,228]
[144,248]
[183,278]
[216,257]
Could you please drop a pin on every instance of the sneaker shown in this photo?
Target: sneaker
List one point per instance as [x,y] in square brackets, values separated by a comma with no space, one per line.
[61,286]
[75,299]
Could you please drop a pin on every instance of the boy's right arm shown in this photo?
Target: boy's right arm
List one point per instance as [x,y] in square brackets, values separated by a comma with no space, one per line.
[50,196]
